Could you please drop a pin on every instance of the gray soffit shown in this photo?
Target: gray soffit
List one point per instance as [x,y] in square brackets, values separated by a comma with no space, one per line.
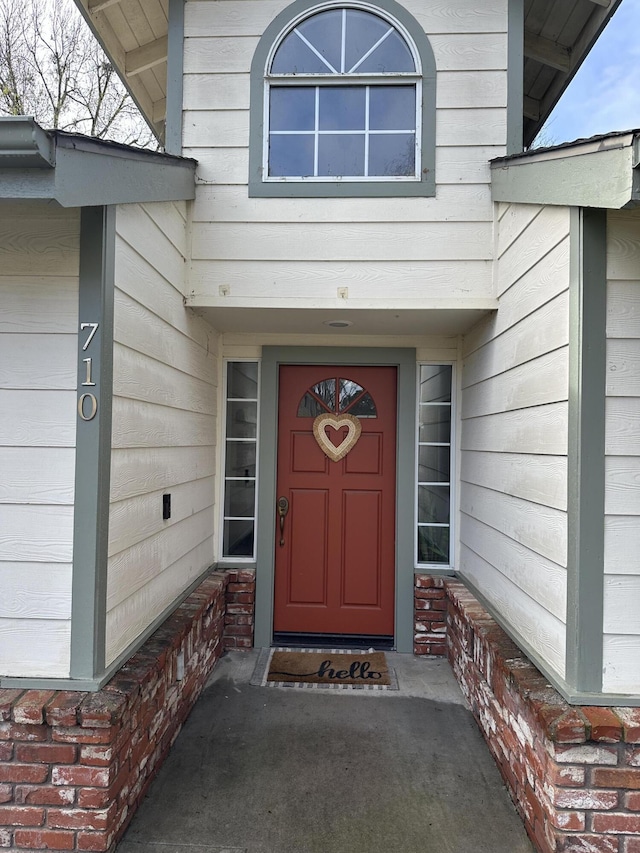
[79,171]
[603,172]
[557,38]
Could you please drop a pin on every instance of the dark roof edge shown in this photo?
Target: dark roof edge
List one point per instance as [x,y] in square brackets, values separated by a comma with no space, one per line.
[575,143]
[80,142]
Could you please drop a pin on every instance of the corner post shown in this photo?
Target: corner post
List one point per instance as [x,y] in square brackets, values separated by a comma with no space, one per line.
[586,473]
[93,441]
[175,49]
[515,76]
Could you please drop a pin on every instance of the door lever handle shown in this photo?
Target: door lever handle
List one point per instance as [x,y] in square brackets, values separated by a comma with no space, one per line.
[283,509]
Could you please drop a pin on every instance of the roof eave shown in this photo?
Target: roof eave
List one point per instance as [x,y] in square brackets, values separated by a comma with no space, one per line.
[116,56]
[78,171]
[599,19]
[601,173]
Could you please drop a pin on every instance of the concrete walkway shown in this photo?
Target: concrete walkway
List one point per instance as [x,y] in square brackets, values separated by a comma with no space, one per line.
[281,770]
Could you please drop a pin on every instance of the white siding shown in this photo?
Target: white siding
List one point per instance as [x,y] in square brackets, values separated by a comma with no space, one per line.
[263,252]
[164,426]
[513,519]
[38,350]
[621,666]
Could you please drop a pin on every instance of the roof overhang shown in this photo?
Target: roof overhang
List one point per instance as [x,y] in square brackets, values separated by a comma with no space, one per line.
[603,172]
[557,39]
[79,171]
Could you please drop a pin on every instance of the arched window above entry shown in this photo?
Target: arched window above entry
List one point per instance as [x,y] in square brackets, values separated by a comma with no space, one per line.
[343,103]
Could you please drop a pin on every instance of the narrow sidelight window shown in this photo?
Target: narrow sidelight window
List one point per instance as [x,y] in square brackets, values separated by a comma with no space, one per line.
[434,464]
[241,452]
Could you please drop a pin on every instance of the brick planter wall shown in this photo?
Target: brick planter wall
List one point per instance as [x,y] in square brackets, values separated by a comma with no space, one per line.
[75,766]
[573,772]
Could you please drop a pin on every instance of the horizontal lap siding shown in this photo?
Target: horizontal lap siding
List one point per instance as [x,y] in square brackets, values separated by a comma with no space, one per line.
[296,252]
[513,502]
[164,426]
[38,352]
[622,467]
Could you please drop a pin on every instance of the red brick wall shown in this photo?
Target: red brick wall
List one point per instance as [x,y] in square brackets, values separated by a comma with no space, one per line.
[430,616]
[75,766]
[573,772]
[240,609]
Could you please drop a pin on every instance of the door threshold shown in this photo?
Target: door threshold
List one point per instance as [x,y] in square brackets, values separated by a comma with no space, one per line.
[333,641]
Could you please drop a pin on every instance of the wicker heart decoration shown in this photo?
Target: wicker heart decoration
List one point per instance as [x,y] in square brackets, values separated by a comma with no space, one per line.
[336,422]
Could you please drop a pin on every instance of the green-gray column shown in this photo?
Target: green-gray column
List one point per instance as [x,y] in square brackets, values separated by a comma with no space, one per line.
[586,473]
[93,441]
[515,76]
[175,48]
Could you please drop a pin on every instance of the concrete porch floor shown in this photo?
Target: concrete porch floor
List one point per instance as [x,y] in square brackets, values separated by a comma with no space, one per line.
[281,770]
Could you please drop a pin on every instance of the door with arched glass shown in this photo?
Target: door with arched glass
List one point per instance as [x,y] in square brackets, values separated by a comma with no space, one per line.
[335,515]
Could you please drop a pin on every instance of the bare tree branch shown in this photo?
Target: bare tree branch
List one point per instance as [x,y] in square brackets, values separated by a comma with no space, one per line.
[52,68]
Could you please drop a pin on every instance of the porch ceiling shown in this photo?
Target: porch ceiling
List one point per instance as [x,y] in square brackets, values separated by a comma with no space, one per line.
[381,323]
[557,38]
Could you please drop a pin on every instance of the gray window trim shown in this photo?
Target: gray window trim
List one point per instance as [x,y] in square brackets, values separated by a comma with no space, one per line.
[332,189]
[405,360]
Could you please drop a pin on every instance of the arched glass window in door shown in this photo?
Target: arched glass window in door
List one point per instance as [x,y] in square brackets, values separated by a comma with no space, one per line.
[338,396]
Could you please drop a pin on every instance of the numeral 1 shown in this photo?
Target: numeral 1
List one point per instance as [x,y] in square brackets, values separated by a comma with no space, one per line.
[89,363]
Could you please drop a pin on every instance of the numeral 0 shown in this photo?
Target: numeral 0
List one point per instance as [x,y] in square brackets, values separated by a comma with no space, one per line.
[92,409]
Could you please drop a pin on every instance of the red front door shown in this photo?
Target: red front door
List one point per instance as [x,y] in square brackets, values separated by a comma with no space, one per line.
[335,551]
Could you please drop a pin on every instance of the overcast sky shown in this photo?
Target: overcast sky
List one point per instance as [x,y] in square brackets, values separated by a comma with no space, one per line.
[605,93]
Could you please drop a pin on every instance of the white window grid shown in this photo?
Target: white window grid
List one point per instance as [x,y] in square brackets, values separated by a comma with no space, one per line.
[365,132]
[448,484]
[225,442]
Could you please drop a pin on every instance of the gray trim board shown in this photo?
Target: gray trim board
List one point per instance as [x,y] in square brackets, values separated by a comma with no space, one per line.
[78,171]
[272,358]
[515,76]
[93,442]
[365,189]
[603,172]
[586,472]
[173,113]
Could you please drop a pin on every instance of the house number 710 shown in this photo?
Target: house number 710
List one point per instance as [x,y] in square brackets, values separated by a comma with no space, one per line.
[88,403]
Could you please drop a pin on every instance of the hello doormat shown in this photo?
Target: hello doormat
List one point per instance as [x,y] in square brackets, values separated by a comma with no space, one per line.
[336,669]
